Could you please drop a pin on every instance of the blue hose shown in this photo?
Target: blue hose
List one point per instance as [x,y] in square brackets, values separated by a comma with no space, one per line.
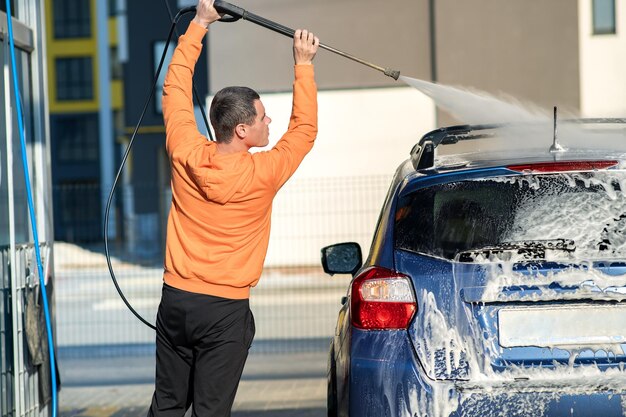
[31,210]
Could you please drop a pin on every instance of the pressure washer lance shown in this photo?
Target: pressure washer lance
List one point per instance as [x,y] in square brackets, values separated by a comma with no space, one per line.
[233,13]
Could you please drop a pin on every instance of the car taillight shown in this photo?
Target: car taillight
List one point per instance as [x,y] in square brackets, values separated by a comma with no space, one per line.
[382,300]
[563,166]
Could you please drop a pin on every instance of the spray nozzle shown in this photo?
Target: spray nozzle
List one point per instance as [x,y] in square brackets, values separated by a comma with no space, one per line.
[395,74]
[232,13]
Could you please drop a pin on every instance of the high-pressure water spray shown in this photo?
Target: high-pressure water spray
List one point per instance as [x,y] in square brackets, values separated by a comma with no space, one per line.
[233,13]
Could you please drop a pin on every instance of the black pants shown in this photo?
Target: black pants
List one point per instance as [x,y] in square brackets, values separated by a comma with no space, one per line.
[201,348]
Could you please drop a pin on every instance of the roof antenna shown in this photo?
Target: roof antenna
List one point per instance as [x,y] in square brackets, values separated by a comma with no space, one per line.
[556,147]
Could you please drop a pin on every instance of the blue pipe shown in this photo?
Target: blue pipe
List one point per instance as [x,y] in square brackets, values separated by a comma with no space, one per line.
[31,210]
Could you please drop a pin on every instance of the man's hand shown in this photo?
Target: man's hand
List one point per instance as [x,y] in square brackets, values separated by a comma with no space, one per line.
[205,13]
[305,46]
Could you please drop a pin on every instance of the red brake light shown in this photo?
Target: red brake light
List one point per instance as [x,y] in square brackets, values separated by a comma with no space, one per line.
[563,166]
[381,300]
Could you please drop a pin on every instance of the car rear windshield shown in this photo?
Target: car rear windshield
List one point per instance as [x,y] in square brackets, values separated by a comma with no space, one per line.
[588,208]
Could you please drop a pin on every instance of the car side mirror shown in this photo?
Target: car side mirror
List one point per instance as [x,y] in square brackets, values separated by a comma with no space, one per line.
[342,258]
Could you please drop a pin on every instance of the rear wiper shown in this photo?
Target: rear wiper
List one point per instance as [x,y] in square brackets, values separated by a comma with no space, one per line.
[528,249]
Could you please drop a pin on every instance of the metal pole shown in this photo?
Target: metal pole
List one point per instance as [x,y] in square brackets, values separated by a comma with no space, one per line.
[105,118]
[41,138]
[432,26]
[8,114]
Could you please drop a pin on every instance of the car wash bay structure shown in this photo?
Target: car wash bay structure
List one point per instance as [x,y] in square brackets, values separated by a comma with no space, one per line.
[24,368]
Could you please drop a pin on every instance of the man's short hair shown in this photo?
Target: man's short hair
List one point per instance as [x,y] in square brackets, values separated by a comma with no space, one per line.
[230,107]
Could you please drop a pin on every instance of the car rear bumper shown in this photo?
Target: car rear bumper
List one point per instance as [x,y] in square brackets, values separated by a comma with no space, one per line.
[387,380]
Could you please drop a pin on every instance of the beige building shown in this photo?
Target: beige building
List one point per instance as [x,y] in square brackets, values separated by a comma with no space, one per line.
[527,49]
[559,53]
[602,48]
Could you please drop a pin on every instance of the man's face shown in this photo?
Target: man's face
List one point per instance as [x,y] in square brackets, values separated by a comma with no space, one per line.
[259,131]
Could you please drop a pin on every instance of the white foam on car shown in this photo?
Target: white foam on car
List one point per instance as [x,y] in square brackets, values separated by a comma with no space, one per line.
[442,349]
[540,385]
[593,213]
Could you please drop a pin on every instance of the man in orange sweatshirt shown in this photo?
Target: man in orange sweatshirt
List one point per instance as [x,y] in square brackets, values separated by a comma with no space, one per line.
[219,224]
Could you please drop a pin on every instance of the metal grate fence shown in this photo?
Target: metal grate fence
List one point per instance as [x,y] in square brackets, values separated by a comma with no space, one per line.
[295,303]
[24,363]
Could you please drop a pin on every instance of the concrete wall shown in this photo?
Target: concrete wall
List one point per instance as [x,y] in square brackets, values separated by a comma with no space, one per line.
[336,194]
[361,132]
[602,65]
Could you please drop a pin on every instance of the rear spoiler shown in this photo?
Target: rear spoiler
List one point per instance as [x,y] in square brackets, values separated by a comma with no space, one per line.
[423,153]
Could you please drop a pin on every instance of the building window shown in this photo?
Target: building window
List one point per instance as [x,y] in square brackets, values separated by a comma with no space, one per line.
[74,78]
[112,8]
[118,123]
[77,211]
[603,17]
[3,7]
[76,138]
[72,19]
[116,64]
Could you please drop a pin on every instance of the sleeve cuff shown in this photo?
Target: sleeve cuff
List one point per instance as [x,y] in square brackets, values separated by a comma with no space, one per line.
[196,32]
[303,71]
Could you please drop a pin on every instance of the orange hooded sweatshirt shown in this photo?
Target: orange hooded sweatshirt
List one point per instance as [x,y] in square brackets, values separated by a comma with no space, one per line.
[219,223]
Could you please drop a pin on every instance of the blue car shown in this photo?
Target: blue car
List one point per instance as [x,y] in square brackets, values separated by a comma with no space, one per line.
[496,280]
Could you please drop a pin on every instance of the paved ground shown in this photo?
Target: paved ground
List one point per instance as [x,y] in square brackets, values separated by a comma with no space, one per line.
[106,357]
[286,305]
[273,385]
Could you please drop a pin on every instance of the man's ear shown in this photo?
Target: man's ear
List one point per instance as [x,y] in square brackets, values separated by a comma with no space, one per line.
[241,130]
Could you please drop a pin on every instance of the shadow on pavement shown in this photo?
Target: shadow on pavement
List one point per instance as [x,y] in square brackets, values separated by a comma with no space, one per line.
[104,411]
[273,385]
[142,411]
[300,412]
